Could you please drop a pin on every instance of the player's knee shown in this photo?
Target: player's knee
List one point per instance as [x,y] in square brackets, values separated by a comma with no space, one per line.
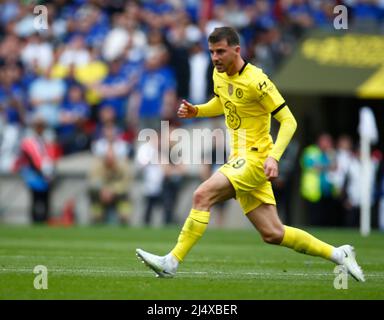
[201,199]
[273,236]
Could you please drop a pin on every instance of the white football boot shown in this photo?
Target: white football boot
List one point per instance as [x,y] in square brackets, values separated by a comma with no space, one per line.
[349,262]
[163,266]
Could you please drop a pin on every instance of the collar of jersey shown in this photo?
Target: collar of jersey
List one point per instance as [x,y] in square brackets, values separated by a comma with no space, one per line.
[237,74]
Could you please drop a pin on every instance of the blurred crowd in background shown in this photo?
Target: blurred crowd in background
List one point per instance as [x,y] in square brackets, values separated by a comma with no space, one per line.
[331,182]
[103,70]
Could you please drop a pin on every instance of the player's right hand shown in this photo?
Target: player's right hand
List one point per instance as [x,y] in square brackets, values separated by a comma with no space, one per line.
[186,110]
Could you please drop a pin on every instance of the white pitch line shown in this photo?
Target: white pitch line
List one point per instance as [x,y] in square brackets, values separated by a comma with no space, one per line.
[132,272]
[113,271]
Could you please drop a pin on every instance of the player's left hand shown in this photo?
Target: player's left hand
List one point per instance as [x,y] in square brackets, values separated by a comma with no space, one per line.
[271,168]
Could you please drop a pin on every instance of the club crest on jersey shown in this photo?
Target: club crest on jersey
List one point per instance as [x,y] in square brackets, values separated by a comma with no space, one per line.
[230,89]
[239,93]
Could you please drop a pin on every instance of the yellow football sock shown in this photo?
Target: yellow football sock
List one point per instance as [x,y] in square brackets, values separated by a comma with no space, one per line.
[303,242]
[191,232]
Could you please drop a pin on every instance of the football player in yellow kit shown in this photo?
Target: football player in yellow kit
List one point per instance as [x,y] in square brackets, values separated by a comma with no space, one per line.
[248,99]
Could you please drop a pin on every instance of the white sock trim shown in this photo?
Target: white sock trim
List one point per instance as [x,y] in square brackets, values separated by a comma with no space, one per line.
[172,259]
[337,256]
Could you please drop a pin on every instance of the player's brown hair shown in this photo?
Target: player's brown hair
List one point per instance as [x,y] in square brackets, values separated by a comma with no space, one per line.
[225,33]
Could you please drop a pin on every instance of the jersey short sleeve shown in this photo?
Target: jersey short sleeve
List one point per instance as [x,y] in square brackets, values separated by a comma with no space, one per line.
[267,94]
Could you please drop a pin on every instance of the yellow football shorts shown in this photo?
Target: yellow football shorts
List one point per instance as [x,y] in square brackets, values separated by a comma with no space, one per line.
[247,177]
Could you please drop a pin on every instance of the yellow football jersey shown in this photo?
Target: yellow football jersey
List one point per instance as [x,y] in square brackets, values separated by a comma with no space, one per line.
[247,100]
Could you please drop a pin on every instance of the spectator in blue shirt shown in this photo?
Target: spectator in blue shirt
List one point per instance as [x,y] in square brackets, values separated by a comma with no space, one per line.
[73,116]
[155,98]
[116,87]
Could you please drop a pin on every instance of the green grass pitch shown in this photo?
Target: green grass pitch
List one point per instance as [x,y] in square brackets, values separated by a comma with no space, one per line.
[100,263]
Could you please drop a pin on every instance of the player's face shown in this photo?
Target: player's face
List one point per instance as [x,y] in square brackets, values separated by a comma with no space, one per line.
[223,56]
